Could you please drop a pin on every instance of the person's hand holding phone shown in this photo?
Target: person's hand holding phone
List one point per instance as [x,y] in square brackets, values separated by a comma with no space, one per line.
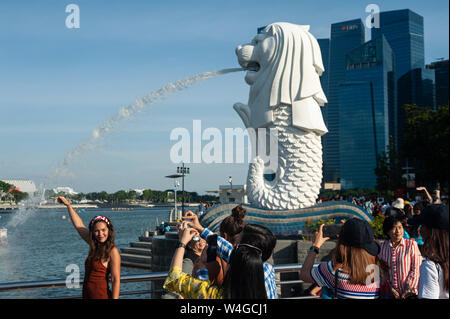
[192,220]
[185,234]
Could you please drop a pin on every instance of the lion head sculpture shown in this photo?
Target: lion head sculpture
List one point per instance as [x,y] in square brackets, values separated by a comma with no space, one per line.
[283,64]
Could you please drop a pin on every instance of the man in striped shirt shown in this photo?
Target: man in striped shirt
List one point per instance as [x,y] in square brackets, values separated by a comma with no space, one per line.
[403,258]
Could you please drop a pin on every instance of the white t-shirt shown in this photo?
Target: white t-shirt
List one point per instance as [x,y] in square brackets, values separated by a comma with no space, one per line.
[431,281]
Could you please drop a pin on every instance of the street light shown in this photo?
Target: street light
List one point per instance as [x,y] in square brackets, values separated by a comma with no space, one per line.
[183,171]
[176,185]
[230,180]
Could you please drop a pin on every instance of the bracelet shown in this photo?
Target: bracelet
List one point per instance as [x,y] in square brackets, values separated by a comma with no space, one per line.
[180,244]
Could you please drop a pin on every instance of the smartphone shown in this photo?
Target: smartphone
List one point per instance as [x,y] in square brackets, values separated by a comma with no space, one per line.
[211,252]
[332,231]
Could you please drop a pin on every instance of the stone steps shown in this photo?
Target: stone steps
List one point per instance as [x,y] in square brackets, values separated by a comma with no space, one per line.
[137,251]
[138,255]
[138,261]
[140,244]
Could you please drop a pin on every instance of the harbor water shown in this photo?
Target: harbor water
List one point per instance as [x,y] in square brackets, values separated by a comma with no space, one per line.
[46,246]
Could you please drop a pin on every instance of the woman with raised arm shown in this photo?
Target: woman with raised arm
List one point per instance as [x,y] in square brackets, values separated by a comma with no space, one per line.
[266,240]
[103,261]
[244,277]
[355,271]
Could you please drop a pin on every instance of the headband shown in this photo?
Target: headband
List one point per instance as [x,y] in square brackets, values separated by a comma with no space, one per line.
[248,245]
[97,219]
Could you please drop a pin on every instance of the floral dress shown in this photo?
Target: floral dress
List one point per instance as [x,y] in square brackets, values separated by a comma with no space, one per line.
[190,287]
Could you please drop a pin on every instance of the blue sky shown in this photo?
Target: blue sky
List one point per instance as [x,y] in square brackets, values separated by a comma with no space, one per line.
[58,84]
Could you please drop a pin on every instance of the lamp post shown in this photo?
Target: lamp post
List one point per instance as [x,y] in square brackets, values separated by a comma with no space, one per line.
[176,185]
[183,171]
[230,180]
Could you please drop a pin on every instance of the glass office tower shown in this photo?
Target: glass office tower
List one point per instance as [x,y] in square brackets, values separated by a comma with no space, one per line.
[441,74]
[404,31]
[345,36]
[324,45]
[366,100]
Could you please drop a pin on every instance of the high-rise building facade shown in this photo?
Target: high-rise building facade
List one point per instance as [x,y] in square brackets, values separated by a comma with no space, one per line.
[366,100]
[345,36]
[441,75]
[404,31]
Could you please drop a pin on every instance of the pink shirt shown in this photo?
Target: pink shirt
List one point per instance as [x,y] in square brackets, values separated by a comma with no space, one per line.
[404,264]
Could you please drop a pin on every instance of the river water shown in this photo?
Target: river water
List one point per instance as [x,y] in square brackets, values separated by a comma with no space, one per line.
[46,243]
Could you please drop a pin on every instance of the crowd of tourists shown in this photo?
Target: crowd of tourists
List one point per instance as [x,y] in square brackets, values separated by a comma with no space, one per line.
[233,264]
[412,262]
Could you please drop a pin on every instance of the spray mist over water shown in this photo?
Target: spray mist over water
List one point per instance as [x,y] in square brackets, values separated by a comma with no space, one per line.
[110,124]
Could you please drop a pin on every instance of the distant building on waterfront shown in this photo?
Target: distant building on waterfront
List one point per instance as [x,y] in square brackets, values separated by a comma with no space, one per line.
[366,105]
[23,185]
[233,194]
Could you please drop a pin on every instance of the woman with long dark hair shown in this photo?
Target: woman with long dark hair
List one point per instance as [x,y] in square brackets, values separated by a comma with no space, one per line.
[434,271]
[266,240]
[103,261]
[244,278]
[230,229]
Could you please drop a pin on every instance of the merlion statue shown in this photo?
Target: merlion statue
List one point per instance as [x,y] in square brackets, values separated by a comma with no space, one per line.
[284,65]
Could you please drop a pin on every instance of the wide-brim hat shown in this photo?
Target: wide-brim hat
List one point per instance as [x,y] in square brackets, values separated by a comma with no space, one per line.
[433,216]
[399,203]
[358,233]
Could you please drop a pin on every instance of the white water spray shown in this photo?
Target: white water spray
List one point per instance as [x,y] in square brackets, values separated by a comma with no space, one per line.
[110,124]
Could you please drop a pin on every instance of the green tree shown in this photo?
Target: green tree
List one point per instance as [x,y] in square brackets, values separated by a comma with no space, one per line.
[18,195]
[426,143]
[120,196]
[5,187]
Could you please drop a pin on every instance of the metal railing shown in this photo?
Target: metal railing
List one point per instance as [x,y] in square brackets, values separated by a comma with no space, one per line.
[145,277]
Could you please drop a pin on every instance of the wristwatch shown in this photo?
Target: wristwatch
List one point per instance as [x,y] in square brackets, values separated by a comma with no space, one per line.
[180,244]
[314,249]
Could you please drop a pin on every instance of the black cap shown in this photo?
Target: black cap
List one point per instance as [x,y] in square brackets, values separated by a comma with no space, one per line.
[433,216]
[358,233]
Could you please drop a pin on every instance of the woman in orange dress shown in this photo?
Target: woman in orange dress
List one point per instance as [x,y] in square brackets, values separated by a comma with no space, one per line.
[103,261]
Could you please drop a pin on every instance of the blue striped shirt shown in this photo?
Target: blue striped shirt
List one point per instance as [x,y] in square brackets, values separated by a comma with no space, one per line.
[224,249]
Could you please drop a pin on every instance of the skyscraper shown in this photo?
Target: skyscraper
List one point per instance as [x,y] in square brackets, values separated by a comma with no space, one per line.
[366,99]
[417,86]
[345,36]
[404,31]
[441,75]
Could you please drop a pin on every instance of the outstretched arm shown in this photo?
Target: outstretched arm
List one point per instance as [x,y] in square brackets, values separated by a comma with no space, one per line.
[422,188]
[76,220]
[305,271]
